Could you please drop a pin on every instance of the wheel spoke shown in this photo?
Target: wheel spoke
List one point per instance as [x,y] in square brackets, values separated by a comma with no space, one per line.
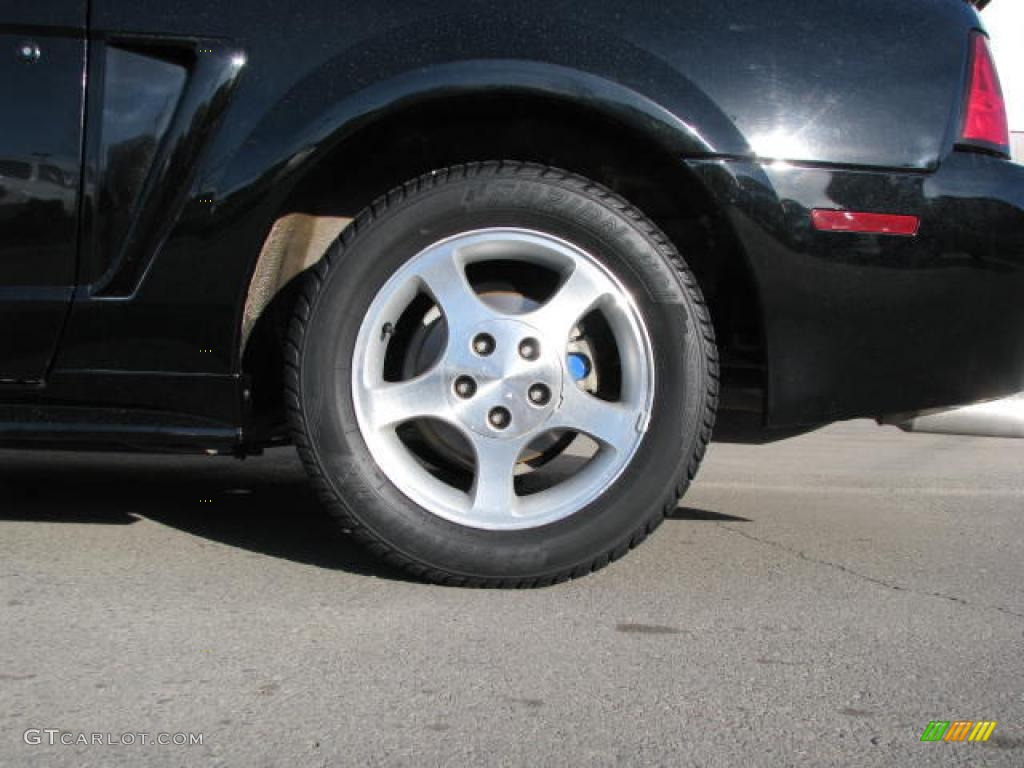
[580,292]
[613,424]
[493,490]
[393,404]
[445,278]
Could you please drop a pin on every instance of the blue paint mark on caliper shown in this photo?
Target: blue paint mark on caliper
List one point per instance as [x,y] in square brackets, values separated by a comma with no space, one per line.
[579,366]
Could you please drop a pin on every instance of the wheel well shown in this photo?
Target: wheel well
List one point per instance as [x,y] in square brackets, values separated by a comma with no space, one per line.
[416,140]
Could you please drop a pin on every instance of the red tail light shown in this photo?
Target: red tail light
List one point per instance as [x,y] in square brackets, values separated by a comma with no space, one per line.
[985,124]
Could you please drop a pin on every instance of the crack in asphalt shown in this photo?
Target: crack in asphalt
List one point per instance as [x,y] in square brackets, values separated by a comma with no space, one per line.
[864,577]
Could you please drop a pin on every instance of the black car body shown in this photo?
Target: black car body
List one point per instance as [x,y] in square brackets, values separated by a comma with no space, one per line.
[204,123]
[153,150]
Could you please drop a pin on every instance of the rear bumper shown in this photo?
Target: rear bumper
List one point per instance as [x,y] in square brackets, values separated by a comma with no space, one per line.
[866,325]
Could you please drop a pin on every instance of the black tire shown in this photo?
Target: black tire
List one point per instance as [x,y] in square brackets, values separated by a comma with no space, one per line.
[333,301]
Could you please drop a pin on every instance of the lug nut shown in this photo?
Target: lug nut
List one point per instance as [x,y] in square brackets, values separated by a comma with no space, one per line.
[483,344]
[499,417]
[529,349]
[465,387]
[539,394]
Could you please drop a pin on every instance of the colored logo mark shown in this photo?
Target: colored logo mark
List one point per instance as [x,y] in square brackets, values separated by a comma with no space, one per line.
[958,730]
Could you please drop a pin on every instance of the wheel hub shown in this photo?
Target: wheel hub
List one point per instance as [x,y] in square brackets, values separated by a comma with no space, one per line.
[504,378]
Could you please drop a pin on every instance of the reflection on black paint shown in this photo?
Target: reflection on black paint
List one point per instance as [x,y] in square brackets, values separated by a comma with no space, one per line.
[39,165]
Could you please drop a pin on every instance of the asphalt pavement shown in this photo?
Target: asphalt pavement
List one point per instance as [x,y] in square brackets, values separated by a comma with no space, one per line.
[816,601]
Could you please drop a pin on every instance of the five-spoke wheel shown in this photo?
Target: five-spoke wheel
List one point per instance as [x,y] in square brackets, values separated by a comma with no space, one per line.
[501,379]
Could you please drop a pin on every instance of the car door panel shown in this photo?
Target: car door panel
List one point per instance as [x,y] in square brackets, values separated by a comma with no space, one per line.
[42,61]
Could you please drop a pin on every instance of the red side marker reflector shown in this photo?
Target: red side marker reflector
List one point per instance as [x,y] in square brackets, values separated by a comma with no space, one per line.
[865,223]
